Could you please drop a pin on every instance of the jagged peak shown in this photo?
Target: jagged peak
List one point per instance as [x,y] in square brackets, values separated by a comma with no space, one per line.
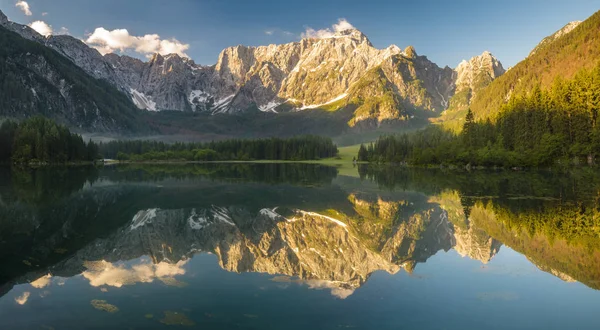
[479,59]
[410,52]
[3,18]
[351,33]
[354,33]
[394,49]
[156,57]
[174,56]
[556,35]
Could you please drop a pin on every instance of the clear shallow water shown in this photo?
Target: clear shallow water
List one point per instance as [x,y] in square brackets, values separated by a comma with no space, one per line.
[297,247]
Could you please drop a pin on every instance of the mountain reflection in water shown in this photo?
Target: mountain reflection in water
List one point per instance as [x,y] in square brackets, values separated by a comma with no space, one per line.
[122,226]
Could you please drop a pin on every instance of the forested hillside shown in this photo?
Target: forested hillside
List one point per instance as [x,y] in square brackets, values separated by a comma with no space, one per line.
[564,57]
[558,124]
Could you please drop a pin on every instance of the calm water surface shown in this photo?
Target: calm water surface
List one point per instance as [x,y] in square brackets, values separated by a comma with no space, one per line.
[298,247]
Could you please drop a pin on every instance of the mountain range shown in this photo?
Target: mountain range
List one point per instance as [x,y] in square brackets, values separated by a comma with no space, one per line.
[341,77]
[335,72]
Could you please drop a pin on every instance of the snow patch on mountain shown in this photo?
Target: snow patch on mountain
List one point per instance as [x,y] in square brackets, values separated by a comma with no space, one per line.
[270,213]
[142,101]
[221,214]
[314,106]
[197,222]
[221,106]
[142,218]
[198,96]
[269,107]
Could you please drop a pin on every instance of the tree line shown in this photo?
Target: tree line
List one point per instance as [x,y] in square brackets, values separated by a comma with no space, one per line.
[41,140]
[295,148]
[540,128]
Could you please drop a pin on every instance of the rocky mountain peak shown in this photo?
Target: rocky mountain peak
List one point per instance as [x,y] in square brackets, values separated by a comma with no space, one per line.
[169,59]
[3,18]
[474,75]
[156,58]
[485,61]
[484,64]
[410,52]
[556,35]
[353,34]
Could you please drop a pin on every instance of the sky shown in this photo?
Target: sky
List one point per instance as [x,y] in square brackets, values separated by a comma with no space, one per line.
[445,31]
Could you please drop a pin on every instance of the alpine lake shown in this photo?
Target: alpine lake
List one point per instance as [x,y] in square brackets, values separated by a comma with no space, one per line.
[298,246]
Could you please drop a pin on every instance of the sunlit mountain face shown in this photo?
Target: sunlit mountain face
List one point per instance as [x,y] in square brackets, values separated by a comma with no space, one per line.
[175,245]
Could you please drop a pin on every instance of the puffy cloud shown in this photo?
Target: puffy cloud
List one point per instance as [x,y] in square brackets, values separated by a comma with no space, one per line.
[44,13]
[336,290]
[101,273]
[42,282]
[22,299]
[340,26]
[63,30]
[106,41]
[42,28]
[24,6]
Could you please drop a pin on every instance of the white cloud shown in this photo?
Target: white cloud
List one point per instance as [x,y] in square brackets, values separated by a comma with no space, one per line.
[24,6]
[106,41]
[340,26]
[44,13]
[101,273]
[42,282]
[22,299]
[336,291]
[42,28]
[63,30]
[278,31]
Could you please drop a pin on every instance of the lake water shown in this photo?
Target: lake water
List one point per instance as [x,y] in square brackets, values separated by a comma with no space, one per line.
[270,246]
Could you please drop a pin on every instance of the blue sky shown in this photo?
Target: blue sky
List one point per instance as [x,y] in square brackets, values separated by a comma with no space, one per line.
[445,31]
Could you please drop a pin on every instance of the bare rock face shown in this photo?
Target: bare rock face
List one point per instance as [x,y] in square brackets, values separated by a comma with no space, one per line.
[89,59]
[472,76]
[331,66]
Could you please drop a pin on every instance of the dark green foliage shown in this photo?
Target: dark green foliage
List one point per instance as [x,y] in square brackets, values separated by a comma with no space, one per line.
[468,132]
[538,129]
[296,148]
[41,140]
